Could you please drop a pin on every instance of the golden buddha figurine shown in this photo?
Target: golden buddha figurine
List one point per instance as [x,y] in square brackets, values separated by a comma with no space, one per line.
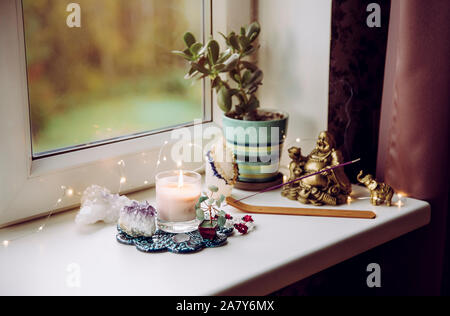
[295,172]
[329,188]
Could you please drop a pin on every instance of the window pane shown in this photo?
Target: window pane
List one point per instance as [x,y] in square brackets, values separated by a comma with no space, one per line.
[114,75]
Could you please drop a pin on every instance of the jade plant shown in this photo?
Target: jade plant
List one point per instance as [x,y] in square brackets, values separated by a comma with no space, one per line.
[233,75]
[211,205]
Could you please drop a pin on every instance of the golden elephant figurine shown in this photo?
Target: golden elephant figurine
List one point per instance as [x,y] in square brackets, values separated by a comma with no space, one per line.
[379,192]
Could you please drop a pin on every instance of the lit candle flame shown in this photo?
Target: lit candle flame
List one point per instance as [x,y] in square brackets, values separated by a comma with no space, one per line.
[180,180]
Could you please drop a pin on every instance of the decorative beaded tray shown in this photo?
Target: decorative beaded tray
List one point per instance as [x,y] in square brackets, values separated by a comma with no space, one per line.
[175,243]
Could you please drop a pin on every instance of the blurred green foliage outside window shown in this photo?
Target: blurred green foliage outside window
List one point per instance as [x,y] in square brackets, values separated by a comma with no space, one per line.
[113,76]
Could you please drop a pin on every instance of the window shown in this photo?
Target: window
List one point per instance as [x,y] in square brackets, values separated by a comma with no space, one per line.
[77,100]
[102,70]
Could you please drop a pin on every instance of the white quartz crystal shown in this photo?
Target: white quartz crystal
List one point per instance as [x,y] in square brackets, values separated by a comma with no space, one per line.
[98,204]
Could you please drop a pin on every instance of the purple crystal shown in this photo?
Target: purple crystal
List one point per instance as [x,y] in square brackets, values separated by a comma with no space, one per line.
[144,209]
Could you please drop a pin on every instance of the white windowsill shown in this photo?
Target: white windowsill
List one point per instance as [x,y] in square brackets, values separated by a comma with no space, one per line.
[281,251]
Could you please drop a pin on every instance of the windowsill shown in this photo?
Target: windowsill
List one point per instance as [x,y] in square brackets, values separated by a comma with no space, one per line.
[281,251]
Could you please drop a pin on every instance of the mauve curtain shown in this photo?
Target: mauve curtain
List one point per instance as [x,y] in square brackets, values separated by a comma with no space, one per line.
[413,154]
[414,134]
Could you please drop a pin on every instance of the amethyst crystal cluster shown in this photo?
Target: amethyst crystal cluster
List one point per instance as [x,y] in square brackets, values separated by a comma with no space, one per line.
[138,219]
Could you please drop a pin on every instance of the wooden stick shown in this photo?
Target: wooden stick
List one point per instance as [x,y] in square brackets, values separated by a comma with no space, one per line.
[300,211]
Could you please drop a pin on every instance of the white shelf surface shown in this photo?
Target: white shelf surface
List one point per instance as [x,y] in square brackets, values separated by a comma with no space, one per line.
[281,251]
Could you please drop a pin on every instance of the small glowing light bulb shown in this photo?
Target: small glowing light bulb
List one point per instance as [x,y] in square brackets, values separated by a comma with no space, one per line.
[145,182]
[165,158]
[400,202]
[5,243]
[123,180]
[41,228]
[349,200]
[69,192]
[298,140]
[59,200]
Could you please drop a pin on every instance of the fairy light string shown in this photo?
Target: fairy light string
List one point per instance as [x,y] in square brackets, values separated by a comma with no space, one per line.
[69,192]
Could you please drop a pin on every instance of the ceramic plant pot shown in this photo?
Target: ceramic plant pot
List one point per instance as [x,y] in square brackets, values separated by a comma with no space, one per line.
[207,230]
[257,146]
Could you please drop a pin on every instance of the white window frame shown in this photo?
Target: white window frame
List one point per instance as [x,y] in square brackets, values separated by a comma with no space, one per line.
[30,188]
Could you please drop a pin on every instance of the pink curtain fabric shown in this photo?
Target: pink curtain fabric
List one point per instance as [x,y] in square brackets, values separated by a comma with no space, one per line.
[414,132]
[414,143]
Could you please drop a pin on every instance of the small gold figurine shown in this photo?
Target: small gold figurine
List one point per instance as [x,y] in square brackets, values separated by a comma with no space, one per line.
[379,192]
[330,187]
[295,172]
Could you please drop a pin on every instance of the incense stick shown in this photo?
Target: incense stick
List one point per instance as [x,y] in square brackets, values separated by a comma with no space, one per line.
[299,179]
[318,212]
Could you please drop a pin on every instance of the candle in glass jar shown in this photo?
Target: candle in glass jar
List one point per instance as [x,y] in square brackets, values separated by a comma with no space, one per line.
[177,192]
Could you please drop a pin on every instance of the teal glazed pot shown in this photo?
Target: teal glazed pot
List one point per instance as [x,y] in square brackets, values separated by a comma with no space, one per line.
[257,146]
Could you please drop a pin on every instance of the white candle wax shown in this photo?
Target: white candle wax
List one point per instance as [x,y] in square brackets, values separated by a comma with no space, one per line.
[175,199]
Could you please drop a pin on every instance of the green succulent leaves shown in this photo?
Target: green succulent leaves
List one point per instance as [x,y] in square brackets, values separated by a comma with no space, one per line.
[235,79]
[211,204]
[252,31]
[224,99]
[200,214]
[221,221]
[213,52]
[189,39]
[213,188]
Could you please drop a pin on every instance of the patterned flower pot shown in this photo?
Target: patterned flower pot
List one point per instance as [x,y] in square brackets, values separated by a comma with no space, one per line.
[257,146]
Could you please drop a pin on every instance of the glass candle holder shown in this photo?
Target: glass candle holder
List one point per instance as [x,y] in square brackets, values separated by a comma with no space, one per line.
[177,192]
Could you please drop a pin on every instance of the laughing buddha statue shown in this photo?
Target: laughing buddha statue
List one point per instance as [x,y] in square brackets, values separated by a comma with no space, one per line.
[328,188]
